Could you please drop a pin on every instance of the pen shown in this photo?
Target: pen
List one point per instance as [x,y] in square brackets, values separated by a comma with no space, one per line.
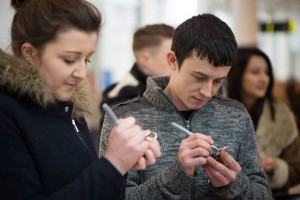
[110,113]
[148,136]
[190,133]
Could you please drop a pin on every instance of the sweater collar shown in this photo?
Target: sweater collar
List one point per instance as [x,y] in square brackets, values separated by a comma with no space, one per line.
[155,94]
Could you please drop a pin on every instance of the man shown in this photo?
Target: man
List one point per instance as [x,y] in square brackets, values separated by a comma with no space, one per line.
[202,52]
[150,46]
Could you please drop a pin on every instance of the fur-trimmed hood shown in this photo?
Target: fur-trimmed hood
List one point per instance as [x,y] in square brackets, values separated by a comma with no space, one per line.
[23,80]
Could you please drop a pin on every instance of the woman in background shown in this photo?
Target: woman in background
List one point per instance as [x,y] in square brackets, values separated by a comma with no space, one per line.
[251,81]
[45,148]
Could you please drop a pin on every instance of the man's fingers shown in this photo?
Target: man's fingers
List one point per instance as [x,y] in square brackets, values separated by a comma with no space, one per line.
[229,161]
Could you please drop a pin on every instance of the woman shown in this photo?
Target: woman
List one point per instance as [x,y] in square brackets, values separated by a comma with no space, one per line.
[45,147]
[251,81]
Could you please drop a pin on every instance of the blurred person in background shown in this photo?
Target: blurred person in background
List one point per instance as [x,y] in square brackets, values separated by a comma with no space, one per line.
[251,82]
[150,46]
[293,92]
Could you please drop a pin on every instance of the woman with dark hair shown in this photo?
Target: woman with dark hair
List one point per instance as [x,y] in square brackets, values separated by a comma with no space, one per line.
[45,147]
[251,82]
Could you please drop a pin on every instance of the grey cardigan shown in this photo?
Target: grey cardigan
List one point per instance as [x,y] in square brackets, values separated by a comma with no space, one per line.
[227,122]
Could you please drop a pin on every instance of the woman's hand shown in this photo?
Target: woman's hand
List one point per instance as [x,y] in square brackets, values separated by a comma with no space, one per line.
[128,148]
[268,164]
[150,156]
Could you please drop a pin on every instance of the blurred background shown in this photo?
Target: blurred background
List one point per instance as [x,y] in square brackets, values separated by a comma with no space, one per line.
[272,25]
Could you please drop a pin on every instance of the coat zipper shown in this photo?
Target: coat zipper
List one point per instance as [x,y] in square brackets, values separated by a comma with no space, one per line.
[79,135]
[188,125]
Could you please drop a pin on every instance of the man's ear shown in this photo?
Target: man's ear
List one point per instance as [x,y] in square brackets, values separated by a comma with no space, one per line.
[143,59]
[171,58]
[28,52]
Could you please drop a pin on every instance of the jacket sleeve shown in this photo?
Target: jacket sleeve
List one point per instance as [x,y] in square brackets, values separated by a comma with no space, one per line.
[98,181]
[251,183]
[287,171]
[284,147]
[104,135]
[171,182]
[292,156]
[19,177]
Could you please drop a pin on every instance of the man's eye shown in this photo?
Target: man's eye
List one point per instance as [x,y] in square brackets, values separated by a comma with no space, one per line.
[219,81]
[201,78]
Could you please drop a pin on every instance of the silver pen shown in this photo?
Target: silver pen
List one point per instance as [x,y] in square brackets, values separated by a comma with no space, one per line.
[148,136]
[190,133]
[111,114]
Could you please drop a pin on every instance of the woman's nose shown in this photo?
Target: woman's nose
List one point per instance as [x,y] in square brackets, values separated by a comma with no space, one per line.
[81,70]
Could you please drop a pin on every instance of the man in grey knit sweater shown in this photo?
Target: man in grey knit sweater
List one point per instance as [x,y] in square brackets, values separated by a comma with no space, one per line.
[202,53]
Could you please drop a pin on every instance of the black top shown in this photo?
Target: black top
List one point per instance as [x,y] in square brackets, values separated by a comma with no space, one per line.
[128,90]
[42,156]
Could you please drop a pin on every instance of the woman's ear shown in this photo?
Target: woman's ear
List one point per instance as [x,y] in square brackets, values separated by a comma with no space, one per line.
[28,52]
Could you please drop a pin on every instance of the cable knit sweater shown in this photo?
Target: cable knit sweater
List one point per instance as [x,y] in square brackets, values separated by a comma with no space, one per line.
[225,120]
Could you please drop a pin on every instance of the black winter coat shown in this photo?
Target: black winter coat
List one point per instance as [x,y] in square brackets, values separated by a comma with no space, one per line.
[44,154]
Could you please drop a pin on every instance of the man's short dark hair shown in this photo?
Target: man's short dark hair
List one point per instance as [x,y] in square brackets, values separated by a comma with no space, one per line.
[207,36]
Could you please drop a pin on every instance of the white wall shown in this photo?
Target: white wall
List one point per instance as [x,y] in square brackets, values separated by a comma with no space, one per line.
[6,15]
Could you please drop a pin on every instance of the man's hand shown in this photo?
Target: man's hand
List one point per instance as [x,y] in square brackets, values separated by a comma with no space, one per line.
[224,172]
[193,151]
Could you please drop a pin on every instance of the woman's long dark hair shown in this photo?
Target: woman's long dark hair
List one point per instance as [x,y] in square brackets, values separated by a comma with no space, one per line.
[234,82]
